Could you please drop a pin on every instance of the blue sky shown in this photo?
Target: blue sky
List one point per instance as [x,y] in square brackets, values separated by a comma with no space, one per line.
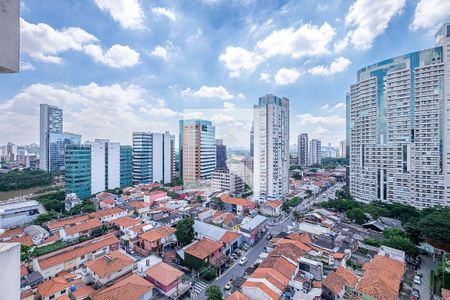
[118,66]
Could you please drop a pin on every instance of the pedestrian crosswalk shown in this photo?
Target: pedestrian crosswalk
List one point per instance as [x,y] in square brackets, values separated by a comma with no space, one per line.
[199,286]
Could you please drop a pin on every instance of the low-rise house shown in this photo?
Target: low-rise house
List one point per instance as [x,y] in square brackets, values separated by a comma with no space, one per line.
[237,296]
[38,233]
[167,279]
[156,240]
[132,287]
[53,288]
[393,253]
[238,205]
[84,228]
[71,200]
[231,241]
[313,267]
[271,208]
[73,257]
[202,253]
[169,220]
[109,215]
[152,196]
[125,223]
[110,266]
[383,223]
[253,228]
[139,206]
[107,204]
[56,225]
[224,219]
[334,286]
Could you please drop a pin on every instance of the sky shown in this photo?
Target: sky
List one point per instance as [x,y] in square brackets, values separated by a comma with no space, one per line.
[118,66]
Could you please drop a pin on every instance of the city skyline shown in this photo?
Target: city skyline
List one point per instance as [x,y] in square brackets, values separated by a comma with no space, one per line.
[132,98]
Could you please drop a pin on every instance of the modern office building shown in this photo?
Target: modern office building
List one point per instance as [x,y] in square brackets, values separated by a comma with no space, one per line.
[227,181]
[315,152]
[302,149]
[52,138]
[126,166]
[95,167]
[342,148]
[153,157]
[197,150]
[9,36]
[11,151]
[221,154]
[398,123]
[271,147]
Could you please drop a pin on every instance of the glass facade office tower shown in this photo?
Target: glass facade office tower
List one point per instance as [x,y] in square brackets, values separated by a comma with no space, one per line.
[57,144]
[271,147]
[315,152]
[153,157]
[302,149]
[96,166]
[221,155]
[197,150]
[398,126]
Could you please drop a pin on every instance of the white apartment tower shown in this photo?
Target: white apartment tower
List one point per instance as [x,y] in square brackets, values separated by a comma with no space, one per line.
[153,157]
[398,123]
[315,152]
[51,121]
[302,149]
[105,165]
[342,148]
[271,147]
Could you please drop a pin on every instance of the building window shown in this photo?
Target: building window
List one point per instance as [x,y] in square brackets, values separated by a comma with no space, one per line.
[51,297]
[63,292]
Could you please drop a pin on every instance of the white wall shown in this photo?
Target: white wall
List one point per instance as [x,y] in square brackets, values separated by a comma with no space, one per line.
[113,165]
[10,271]
[98,168]
[9,36]
[157,156]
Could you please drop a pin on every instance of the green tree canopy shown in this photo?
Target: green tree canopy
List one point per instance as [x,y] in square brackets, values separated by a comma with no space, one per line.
[185,231]
[436,225]
[42,218]
[23,179]
[357,215]
[213,292]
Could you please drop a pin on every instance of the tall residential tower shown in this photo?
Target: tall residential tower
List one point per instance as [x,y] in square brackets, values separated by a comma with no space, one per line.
[315,152]
[271,147]
[302,149]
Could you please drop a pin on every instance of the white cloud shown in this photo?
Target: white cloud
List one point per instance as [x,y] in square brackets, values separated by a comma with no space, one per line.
[161,11]
[325,106]
[159,51]
[118,56]
[307,40]
[265,77]
[193,37]
[208,92]
[43,42]
[128,13]
[369,19]
[26,66]
[94,111]
[339,105]
[286,76]
[339,64]
[237,60]
[227,104]
[329,129]
[305,119]
[430,13]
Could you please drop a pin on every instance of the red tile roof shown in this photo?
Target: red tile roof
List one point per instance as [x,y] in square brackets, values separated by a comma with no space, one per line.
[25,240]
[158,233]
[12,232]
[164,273]
[303,237]
[239,201]
[107,212]
[126,222]
[52,225]
[84,226]
[203,248]
[274,203]
[237,296]
[52,286]
[445,294]
[336,281]
[129,288]
[264,288]
[109,263]
[229,237]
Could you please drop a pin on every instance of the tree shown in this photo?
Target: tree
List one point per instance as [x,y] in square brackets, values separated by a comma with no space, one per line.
[296,175]
[356,215]
[42,218]
[185,231]
[218,203]
[23,179]
[436,225]
[213,292]
[297,216]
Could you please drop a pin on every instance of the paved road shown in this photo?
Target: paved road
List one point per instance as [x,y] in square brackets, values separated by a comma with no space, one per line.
[425,268]
[322,197]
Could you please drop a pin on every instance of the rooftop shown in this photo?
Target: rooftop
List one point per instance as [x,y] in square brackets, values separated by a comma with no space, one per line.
[107,212]
[126,222]
[158,233]
[52,286]
[164,273]
[109,263]
[84,226]
[129,288]
[203,248]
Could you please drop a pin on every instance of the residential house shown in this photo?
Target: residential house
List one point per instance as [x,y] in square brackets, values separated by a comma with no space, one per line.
[271,208]
[107,204]
[238,205]
[83,228]
[202,253]
[334,286]
[252,228]
[56,225]
[125,223]
[231,241]
[132,287]
[167,279]
[53,288]
[224,219]
[110,266]
[139,207]
[156,240]
[109,215]
[153,196]
[237,296]
[73,257]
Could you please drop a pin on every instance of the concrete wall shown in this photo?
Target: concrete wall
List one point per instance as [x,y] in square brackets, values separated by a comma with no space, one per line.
[10,271]
[9,36]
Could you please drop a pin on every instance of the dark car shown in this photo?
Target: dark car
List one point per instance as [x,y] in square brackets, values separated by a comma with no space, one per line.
[416,293]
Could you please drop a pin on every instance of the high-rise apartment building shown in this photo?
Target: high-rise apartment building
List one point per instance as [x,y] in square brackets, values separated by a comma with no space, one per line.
[252,145]
[315,152]
[52,138]
[126,165]
[197,150]
[398,120]
[153,157]
[342,148]
[221,155]
[95,167]
[302,149]
[271,142]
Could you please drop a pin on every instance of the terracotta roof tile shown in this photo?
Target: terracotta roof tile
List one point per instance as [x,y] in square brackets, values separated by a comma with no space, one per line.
[109,263]
[52,225]
[336,281]
[84,226]
[12,232]
[25,240]
[83,291]
[129,288]
[107,212]
[158,233]
[164,273]
[203,248]
[52,286]
[139,204]
[229,237]
[126,222]
[239,201]
[348,275]
[266,290]
[237,296]
[288,250]
[303,238]
[445,294]
[298,244]
[274,203]
[24,270]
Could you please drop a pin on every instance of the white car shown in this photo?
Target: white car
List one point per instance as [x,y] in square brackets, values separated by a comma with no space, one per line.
[243,260]
[417,280]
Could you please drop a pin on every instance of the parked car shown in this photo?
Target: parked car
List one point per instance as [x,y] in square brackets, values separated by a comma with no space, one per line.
[417,280]
[243,260]
[245,247]
[416,293]
[228,285]
[269,237]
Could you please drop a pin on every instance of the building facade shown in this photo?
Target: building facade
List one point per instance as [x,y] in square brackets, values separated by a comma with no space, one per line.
[252,143]
[302,149]
[126,166]
[51,121]
[225,180]
[315,152]
[197,150]
[77,174]
[9,36]
[343,148]
[271,147]
[398,129]
[221,154]
[153,157]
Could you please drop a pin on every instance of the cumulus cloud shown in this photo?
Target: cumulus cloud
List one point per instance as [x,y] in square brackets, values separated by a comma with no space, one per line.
[118,56]
[340,64]
[161,11]
[218,92]
[430,13]
[367,20]
[237,60]
[26,66]
[265,77]
[92,110]
[159,51]
[44,43]
[128,13]
[305,119]
[286,76]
